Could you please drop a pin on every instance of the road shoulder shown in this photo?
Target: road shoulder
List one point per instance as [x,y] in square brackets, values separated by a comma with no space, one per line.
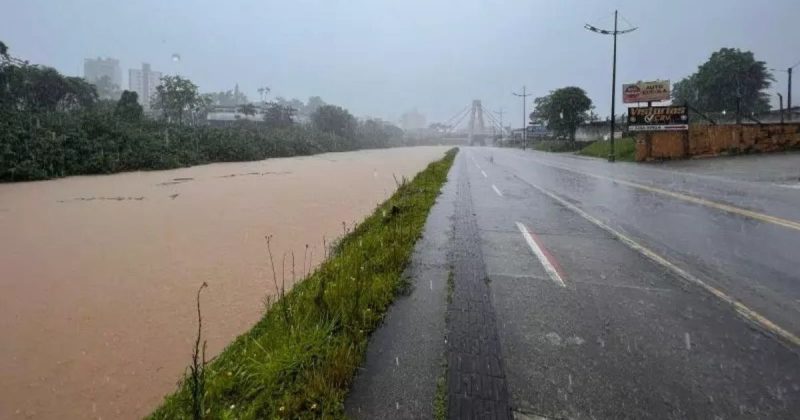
[404,355]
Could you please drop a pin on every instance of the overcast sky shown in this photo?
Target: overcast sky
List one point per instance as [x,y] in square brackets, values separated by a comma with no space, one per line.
[381,58]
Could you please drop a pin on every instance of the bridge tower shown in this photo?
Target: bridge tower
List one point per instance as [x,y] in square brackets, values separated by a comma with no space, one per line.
[477,128]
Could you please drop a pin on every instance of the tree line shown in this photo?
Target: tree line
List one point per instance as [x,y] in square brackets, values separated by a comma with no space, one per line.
[53,125]
[730,79]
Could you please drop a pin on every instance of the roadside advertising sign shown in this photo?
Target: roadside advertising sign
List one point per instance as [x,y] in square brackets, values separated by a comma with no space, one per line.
[657,90]
[658,118]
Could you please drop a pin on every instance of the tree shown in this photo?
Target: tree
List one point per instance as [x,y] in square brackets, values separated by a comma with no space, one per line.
[729,76]
[438,127]
[334,119]
[175,96]
[263,92]
[313,103]
[279,116]
[43,89]
[231,97]
[564,110]
[106,89]
[32,88]
[79,94]
[128,107]
[376,133]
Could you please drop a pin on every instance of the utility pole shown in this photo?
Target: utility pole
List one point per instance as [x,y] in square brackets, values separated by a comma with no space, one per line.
[789,87]
[789,92]
[524,95]
[614,33]
[500,114]
[780,104]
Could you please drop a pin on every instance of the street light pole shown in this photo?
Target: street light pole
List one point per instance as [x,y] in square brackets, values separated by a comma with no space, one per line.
[524,95]
[789,93]
[614,33]
[613,91]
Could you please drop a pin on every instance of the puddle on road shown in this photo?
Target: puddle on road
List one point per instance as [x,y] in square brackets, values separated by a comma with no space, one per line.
[97,310]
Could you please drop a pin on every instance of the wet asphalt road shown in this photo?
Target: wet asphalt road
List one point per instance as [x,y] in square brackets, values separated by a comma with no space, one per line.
[656,292]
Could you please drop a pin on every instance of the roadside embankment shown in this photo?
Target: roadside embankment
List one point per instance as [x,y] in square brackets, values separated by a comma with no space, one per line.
[299,359]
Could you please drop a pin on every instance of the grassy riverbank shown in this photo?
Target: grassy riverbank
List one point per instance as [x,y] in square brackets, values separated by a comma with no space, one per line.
[299,359]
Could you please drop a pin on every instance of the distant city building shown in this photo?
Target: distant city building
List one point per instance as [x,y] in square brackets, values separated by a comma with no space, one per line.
[95,69]
[412,120]
[144,82]
[221,114]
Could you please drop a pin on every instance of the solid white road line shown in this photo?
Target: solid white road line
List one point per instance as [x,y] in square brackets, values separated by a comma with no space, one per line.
[494,187]
[549,267]
[740,308]
[791,224]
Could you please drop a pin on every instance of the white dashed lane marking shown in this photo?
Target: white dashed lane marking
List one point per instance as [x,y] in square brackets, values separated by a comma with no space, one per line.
[494,187]
[742,309]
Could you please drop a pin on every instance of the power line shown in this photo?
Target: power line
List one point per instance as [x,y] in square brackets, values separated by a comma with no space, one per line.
[524,97]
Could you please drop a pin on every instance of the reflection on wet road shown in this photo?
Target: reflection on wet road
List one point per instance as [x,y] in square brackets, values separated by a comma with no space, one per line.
[678,293]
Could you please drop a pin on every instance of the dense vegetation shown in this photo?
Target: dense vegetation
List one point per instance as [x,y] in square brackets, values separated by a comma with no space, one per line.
[299,359]
[54,126]
[624,149]
[556,146]
[563,110]
[729,77]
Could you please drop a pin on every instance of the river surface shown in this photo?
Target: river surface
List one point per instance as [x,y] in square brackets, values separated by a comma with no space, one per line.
[98,273]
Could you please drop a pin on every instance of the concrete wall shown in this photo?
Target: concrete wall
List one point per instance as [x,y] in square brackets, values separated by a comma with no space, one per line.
[713,140]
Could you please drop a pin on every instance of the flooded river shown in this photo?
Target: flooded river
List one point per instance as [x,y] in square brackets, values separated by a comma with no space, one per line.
[98,273]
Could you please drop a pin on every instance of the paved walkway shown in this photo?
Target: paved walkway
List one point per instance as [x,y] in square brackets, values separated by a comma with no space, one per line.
[406,354]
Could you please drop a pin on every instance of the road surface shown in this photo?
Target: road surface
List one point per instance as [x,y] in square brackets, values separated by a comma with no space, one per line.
[590,290]
[639,291]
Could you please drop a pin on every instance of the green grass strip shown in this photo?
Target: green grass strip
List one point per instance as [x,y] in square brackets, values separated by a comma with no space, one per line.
[298,361]
[624,149]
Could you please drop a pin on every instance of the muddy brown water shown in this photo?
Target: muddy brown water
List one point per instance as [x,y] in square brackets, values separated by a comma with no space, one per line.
[98,273]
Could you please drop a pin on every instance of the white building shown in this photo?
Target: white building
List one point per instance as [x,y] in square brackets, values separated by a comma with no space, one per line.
[144,82]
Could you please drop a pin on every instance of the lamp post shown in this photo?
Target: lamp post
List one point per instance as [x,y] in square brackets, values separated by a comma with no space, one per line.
[614,33]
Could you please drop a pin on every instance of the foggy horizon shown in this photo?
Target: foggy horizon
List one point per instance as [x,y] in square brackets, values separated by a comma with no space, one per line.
[381,60]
